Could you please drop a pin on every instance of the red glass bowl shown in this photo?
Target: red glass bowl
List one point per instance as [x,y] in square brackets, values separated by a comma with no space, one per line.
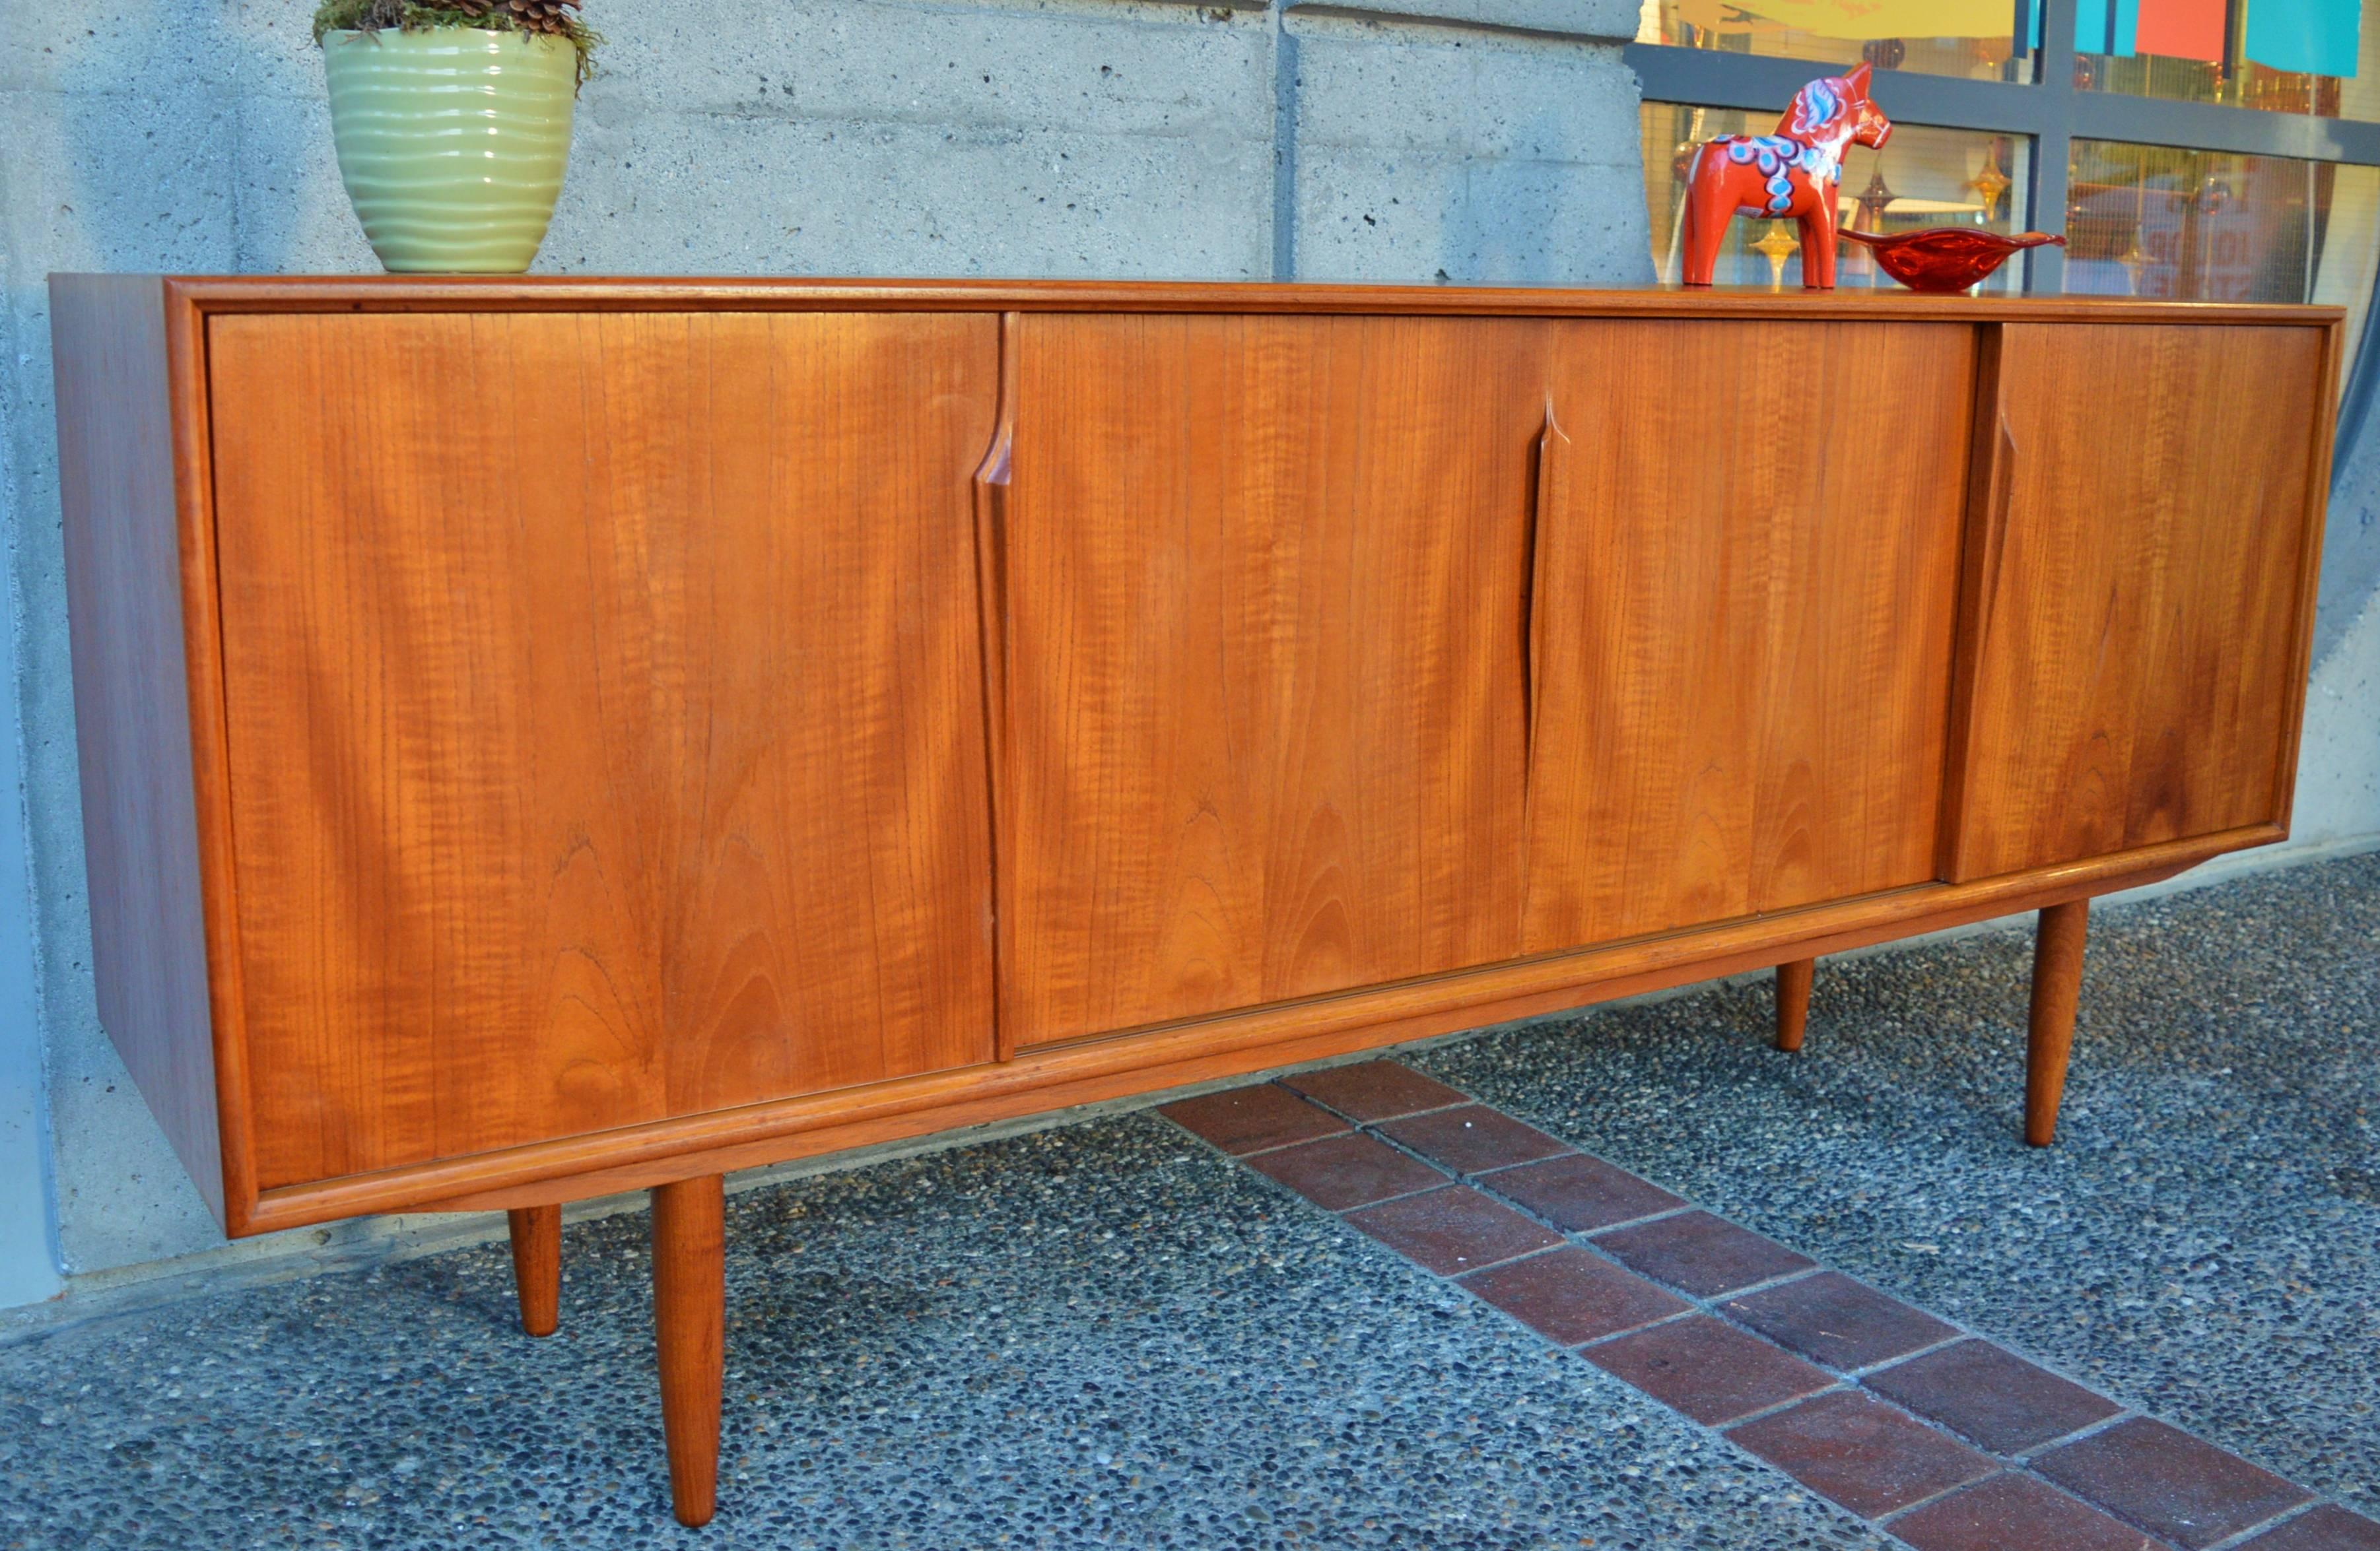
[1945,258]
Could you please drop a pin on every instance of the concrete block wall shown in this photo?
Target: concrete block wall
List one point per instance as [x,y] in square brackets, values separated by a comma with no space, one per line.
[1432,151]
[1482,139]
[1451,140]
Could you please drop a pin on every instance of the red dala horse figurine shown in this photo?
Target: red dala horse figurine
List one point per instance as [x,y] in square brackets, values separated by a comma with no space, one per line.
[1792,173]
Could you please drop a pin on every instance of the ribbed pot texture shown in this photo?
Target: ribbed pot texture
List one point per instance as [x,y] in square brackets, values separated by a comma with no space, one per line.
[452,142]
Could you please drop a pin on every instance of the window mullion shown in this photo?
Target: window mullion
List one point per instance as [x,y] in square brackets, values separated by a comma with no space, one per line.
[2053,142]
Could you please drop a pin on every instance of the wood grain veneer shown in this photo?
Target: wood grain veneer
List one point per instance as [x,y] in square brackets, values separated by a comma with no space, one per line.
[536,1234]
[546,736]
[1794,981]
[2142,569]
[1264,719]
[2128,672]
[690,1336]
[2050,1033]
[124,438]
[1746,586]
[1203,1050]
[604,702]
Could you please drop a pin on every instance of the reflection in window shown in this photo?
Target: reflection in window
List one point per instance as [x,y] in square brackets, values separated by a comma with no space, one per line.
[1972,38]
[2203,226]
[2303,57]
[1922,177]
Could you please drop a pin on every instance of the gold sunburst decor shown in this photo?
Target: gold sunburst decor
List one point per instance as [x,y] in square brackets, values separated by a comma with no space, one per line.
[1989,185]
[1776,247]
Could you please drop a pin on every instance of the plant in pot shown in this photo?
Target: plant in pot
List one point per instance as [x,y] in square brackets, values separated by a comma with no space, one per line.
[452,119]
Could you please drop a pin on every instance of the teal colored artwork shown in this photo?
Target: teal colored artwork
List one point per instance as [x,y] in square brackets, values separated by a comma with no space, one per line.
[2091,19]
[2304,36]
[2309,37]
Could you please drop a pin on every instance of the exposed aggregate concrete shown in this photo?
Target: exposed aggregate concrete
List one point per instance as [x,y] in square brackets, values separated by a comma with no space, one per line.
[1101,1336]
[1106,1335]
[2204,1241]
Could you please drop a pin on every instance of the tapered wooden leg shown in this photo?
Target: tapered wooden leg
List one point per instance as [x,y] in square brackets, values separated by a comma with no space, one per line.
[537,1266]
[689,1329]
[2056,987]
[1793,1003]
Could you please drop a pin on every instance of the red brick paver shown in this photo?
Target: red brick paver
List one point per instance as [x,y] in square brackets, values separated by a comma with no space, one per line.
[2324,1528]
[1581,1195]
[1472,1139]
[1856,1450]
[1841,1323]
[1340,1172]
[1721,1348]
[1991,1396]
[1244,1120]
[1377,1090]
[2168,1482]
[1452,1231]
[1705,1255]
[1568,1296]
[1709,1370]
[2009,1512]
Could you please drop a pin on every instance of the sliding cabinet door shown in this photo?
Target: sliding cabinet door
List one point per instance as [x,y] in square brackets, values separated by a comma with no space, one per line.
[605,717]
[2143,580]
[1263,720]
[1744,580]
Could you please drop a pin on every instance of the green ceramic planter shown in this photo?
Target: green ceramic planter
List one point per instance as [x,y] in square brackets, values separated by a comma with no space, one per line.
[452,142]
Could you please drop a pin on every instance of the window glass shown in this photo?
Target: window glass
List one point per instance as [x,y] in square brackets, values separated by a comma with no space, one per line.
[1922,178]
[2304,56]
[1972,37]
[2204,226]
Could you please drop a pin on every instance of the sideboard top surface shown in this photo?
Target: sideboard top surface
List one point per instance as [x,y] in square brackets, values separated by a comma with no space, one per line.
[234,294]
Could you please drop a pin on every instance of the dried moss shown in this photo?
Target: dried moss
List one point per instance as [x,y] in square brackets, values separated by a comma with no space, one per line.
[421,16]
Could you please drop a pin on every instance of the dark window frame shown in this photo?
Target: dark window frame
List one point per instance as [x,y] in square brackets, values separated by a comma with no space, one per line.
[2054,113]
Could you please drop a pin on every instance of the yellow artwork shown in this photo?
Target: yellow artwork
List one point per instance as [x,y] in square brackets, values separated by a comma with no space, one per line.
[1856,19]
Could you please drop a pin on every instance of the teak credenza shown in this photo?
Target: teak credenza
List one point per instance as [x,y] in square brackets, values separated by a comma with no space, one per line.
[544,738]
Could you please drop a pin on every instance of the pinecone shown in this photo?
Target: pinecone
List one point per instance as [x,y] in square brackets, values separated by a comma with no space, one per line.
[474,10]
[543,16]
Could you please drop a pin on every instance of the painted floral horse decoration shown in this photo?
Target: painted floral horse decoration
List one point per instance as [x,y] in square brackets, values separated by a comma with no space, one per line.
[1792,173]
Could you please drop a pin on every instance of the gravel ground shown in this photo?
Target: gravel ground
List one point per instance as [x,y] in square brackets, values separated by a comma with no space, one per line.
[2204,1241]
[1106,1335]
[1101,1336]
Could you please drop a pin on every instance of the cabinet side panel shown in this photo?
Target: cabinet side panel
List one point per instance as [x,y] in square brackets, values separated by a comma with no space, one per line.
[1745,590]
[605,711]
[2134,643]
[132,708]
